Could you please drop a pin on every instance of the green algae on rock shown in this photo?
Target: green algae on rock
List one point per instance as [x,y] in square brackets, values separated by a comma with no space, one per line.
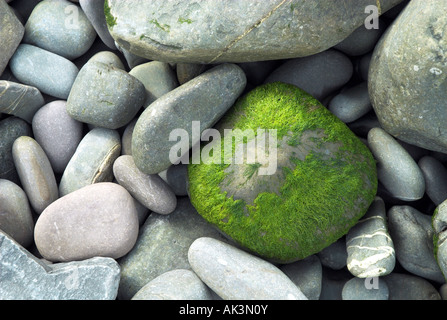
[325,177]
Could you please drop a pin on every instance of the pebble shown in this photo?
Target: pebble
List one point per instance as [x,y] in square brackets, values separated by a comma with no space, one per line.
[439,222]
[158,79]
[307,275]
[410,287]
[109,58]
[435,175]
[370,248]
[188,71]
[176,176]
[335,255]
[20,100]
[50,73]
[332,283]
[57,133]
[319,75]
[10,129]
[92,161]
[59,27]
[179,284]
[25,277]
[234,274]
[204,99]
[35,173]
[105,96]
[412,234]
[11,34]
[149,189]
[170,234]
[396,169]
[352,103]
[356,289]
[15,213]
[97,220]
[126,139]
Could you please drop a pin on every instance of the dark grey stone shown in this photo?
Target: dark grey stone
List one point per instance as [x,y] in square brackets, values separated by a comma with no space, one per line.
[435,174]
[355,289]
[351,104]
[335,255]
[409,287]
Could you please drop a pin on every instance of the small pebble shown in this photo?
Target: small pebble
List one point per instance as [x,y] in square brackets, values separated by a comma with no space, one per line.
[177,178]
[356,289]
[335,255]
[188,71]
[351,104]
[409,287]
[435,175]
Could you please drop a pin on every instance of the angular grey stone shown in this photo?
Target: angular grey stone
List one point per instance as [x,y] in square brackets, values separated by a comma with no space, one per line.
[406,90]
[233,31]
[204,99]
[20,100]
[234,274]
[351,104]
[370,248]
[179,284]
[25,277]
[355,289]
[412,233]
[162,246]
[439,228]
[396,169]
[435,174]
[50,73]
[409,287]
[92,161]
[15,213]
[11,34]
[60,27]
[307,275]
[319,74]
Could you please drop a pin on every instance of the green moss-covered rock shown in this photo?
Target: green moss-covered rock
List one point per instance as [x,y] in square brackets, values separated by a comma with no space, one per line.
[325,177]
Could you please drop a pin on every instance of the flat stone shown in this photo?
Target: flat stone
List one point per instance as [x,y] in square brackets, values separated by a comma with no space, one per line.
[355,289]
[234,274]
[35,173]
[226,31]
[335,255]
[15,213]
[409,287]
[11,34]
[25,277]
[204,99]
[92,161]
[439,223]
[406,90]
[97,220]
[20,100]
[57,133]
[149,189]
[60,27]
[50,73]
[162,246]
[179,284]
[396,169]
[435,175]
[370,248]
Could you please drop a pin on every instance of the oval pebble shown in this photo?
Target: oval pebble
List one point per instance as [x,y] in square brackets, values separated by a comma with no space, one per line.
[360,289]
[149,189]
[234,274]
[15,213]
[403,286]
[35,172]
[435,174]
[351,104]
[396,169]
[97,220]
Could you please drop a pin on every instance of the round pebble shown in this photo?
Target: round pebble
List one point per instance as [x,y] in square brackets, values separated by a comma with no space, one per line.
[351,104]
[360,289]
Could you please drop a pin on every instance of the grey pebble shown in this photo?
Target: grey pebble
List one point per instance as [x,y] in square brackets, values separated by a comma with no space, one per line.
[355,289]
[11,34]
[188,71]
[176,176]
[410,287]
[335,255]
[332,283]
[126,138]
[109,58]
[351,104]
[435,175]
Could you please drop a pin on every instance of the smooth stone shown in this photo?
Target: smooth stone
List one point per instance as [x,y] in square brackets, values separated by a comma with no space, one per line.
[351,104]
[11,128]
[188,71]
[92,161]
[335,255]
[355,289]
[24,7]
[363,66]
[226,31]
[20,100]
[132,60]
[179,284]
[97,220]
[50,73]
[435,175]
[142,212]
[406,90]
[158,79]
[15,213]
[307,275]
[205,99]
[319,74]
[439,224]
[149,189]
[25,277]
[109,58]
[370,248]
[234,274]
[177,178]
[258,71]
[396,169]
[443,291]
[11,34]
[94,10]
[105,96]
[332,283]
[409,287]
[362,126]
[35,173]
[57,133]
[59,27]
[162,246]
[412,234]
[126,138]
